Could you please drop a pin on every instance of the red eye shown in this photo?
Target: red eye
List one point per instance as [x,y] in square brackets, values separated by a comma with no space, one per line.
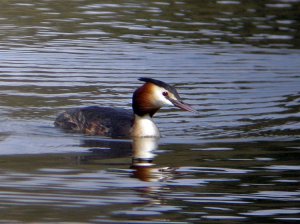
[165,93]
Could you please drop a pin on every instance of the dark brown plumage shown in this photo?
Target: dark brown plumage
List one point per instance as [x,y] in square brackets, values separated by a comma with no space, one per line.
[104,121]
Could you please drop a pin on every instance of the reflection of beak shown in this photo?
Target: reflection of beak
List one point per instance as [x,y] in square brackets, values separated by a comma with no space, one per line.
[182,105]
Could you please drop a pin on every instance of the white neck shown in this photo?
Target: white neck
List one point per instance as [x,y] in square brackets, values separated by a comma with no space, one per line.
[144,127]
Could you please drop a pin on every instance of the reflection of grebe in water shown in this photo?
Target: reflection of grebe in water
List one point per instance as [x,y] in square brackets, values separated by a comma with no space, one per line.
[144,151]
[121,123]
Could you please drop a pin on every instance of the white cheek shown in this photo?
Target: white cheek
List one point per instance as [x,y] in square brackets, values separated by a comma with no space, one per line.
[161,99]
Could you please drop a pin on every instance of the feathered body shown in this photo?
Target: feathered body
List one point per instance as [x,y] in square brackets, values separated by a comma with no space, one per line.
[93,120]
[121,123]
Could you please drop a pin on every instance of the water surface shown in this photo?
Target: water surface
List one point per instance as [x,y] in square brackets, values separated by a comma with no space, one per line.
[236,62]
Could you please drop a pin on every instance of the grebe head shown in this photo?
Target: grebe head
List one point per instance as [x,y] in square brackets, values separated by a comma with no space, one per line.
[153,95]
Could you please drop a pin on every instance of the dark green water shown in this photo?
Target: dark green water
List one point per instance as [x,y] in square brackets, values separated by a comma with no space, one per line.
[237,62]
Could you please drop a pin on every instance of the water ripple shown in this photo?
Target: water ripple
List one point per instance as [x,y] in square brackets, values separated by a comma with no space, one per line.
[234,61]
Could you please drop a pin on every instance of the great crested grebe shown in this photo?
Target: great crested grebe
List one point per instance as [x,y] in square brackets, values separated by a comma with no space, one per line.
[122,123]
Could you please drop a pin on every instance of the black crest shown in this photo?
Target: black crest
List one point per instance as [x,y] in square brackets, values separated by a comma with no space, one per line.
[161,84]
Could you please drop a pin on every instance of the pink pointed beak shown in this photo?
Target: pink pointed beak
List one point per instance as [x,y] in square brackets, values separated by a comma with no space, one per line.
[183,106]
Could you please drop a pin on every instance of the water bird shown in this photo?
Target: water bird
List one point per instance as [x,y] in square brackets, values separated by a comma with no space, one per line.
[123,123]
